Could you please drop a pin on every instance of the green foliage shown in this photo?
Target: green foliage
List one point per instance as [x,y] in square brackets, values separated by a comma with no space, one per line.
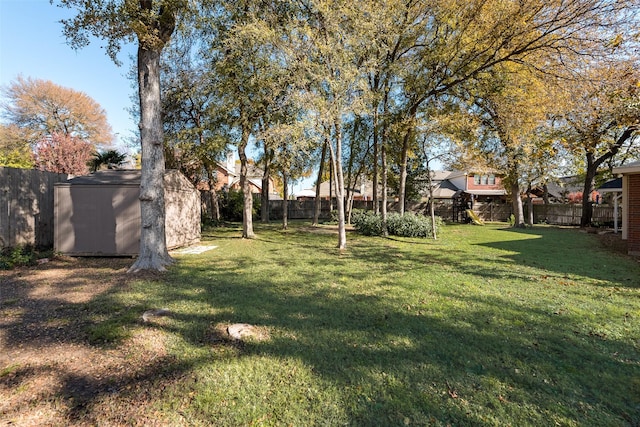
[512,220]
[232,205]
[18,256]
[407,225]
[367,222]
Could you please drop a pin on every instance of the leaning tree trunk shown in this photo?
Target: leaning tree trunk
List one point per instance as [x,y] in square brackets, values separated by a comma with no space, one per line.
[247,210]
[317,206]
[153,245]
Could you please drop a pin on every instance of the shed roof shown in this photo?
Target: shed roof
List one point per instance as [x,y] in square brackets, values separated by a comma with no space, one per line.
[127,177]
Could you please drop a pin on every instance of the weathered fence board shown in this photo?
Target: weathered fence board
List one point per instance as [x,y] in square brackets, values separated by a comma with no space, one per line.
[26,207]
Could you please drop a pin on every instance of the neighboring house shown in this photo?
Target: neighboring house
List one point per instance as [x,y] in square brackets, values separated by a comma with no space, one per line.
[630,206]
[364,191]
[447,185]
[227,176]
[472,186]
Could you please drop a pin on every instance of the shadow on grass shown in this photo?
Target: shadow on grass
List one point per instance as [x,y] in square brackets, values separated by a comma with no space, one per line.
[566,252]
[377,326]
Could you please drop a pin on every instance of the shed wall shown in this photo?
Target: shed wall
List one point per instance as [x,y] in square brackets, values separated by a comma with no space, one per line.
[104,219]
[97,220]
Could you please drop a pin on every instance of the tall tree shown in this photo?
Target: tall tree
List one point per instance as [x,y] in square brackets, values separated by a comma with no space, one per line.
[41,108]
[601,119]
[248,75]
[151,23]
[462,39]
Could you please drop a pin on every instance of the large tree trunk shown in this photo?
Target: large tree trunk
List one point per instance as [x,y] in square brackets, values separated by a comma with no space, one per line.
[318,201]
[589,184]
[516,203]
[153,245]
[247,210]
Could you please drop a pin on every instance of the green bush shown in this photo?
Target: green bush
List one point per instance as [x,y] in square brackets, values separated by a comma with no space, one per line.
[16,257]
[232,204]
[407,225]
[367,223]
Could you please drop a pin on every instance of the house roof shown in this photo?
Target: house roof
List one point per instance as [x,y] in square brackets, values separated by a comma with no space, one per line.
[444,190]
[630,168]
[612,186]
[306,193]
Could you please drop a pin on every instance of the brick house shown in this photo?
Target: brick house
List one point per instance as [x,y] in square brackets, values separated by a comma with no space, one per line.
[630,206]
[227,176]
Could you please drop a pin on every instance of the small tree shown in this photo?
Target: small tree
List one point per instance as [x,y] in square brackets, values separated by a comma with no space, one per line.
[61,153]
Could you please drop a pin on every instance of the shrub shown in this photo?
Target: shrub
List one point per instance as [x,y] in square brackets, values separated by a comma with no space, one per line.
[232,204]
[367,223]
[18,256]
[407,225]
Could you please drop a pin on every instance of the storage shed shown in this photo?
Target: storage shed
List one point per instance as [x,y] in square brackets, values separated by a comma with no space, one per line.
[630,206]
[99,214]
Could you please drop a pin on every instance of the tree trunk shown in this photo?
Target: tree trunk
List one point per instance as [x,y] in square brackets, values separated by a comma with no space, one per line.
[529,206]
[383,160]
[336,161]
[404,159]
[516,202]
[153,245]
[264,193]
[318,201]
[376,206]
[589,184]
[545,194]
[285,201]
[383,165]
[213,196]
[247,211]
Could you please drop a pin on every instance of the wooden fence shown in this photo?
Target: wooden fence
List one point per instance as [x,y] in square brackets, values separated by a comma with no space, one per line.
[570,214]
[556,214]
[26,207]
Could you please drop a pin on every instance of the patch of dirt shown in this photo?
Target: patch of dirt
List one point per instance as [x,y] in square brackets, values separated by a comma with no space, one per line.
[613,242]
[49,372]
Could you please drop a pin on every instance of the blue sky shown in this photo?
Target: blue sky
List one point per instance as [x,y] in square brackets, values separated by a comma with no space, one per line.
[32,45]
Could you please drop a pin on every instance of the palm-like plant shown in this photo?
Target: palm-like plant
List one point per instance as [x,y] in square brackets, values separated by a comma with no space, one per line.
[110,159]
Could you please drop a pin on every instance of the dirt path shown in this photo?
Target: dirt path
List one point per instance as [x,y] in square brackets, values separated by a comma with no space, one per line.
[49,372]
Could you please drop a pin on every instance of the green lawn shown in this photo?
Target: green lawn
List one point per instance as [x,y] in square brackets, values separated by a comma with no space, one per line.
[486,326]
